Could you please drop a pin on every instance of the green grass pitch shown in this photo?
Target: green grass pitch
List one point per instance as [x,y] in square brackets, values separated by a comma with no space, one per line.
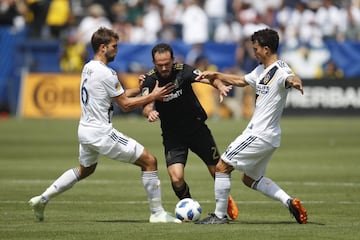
[319,162]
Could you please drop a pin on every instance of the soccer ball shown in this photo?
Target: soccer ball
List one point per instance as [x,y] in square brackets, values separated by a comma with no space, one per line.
[188,210]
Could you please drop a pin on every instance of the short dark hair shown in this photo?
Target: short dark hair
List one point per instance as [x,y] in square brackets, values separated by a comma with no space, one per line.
[102,36]
[267,37]
[161,48]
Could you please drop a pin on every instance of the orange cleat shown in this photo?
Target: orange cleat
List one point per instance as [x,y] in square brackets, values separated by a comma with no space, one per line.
[232,209]
[297,210]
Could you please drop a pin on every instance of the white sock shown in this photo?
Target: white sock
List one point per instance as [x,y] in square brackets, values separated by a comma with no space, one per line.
[63,183]
[222,190]
[269,188]
[151,184]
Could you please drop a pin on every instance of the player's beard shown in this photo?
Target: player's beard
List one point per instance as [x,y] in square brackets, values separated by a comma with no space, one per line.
[110,57]
[165,74]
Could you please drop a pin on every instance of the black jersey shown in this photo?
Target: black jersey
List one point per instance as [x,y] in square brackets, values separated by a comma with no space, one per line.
[181,112]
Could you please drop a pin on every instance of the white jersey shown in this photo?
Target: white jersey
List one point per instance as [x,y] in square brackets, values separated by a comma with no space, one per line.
[270,101]
[99,84]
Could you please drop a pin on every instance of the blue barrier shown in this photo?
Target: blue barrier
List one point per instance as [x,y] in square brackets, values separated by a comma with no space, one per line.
[19,53]
[346,56]
[222,55]
[8,41]
[38,56]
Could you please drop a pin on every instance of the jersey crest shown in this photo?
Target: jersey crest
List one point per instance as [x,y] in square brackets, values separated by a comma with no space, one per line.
[269,76]
[263,88]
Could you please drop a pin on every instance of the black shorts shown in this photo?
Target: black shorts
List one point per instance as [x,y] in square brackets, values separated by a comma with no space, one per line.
[200,142]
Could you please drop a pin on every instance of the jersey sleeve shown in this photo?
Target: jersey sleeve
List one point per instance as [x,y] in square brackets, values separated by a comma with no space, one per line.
[148,84]
[285,73]
[252,77]
[113,86]
[191,73]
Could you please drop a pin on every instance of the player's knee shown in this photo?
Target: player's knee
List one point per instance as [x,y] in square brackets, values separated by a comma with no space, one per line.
[86,171]
[223,167]
[147,162]
[176,173]
[177,181]
[248,181]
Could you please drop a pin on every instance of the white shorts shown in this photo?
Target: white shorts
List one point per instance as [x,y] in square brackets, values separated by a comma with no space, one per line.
[249,154]
[115,145]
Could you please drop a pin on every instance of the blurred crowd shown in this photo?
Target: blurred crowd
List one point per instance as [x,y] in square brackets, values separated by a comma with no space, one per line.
[303,25]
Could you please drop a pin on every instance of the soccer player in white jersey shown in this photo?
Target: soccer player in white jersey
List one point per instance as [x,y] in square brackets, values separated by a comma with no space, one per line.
[251,151]
[99,88]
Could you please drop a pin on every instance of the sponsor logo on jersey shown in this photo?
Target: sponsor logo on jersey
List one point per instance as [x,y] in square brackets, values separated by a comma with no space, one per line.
[262,89]
[172,96]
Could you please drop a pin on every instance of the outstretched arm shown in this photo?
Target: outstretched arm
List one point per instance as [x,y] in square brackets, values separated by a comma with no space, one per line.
[132,92]
[231,79]
[219,85]
[295,82]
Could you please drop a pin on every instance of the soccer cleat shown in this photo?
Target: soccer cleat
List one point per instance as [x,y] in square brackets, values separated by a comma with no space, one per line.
[38,204]
[297,210]
[163,217]
[213,219]
[232,209]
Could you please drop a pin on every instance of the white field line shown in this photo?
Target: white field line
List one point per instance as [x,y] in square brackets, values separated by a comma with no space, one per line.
[169,202]
[90,181]
[211,201]
[104,182]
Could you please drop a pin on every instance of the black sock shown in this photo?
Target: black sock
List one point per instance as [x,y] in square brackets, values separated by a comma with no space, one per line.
[182,192]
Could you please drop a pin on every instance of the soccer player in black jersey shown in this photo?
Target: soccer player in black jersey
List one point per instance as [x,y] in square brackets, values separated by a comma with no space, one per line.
[182,119]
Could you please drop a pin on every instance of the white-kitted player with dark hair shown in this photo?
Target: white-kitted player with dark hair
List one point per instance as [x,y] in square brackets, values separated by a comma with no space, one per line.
[99,88]
[251,152]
